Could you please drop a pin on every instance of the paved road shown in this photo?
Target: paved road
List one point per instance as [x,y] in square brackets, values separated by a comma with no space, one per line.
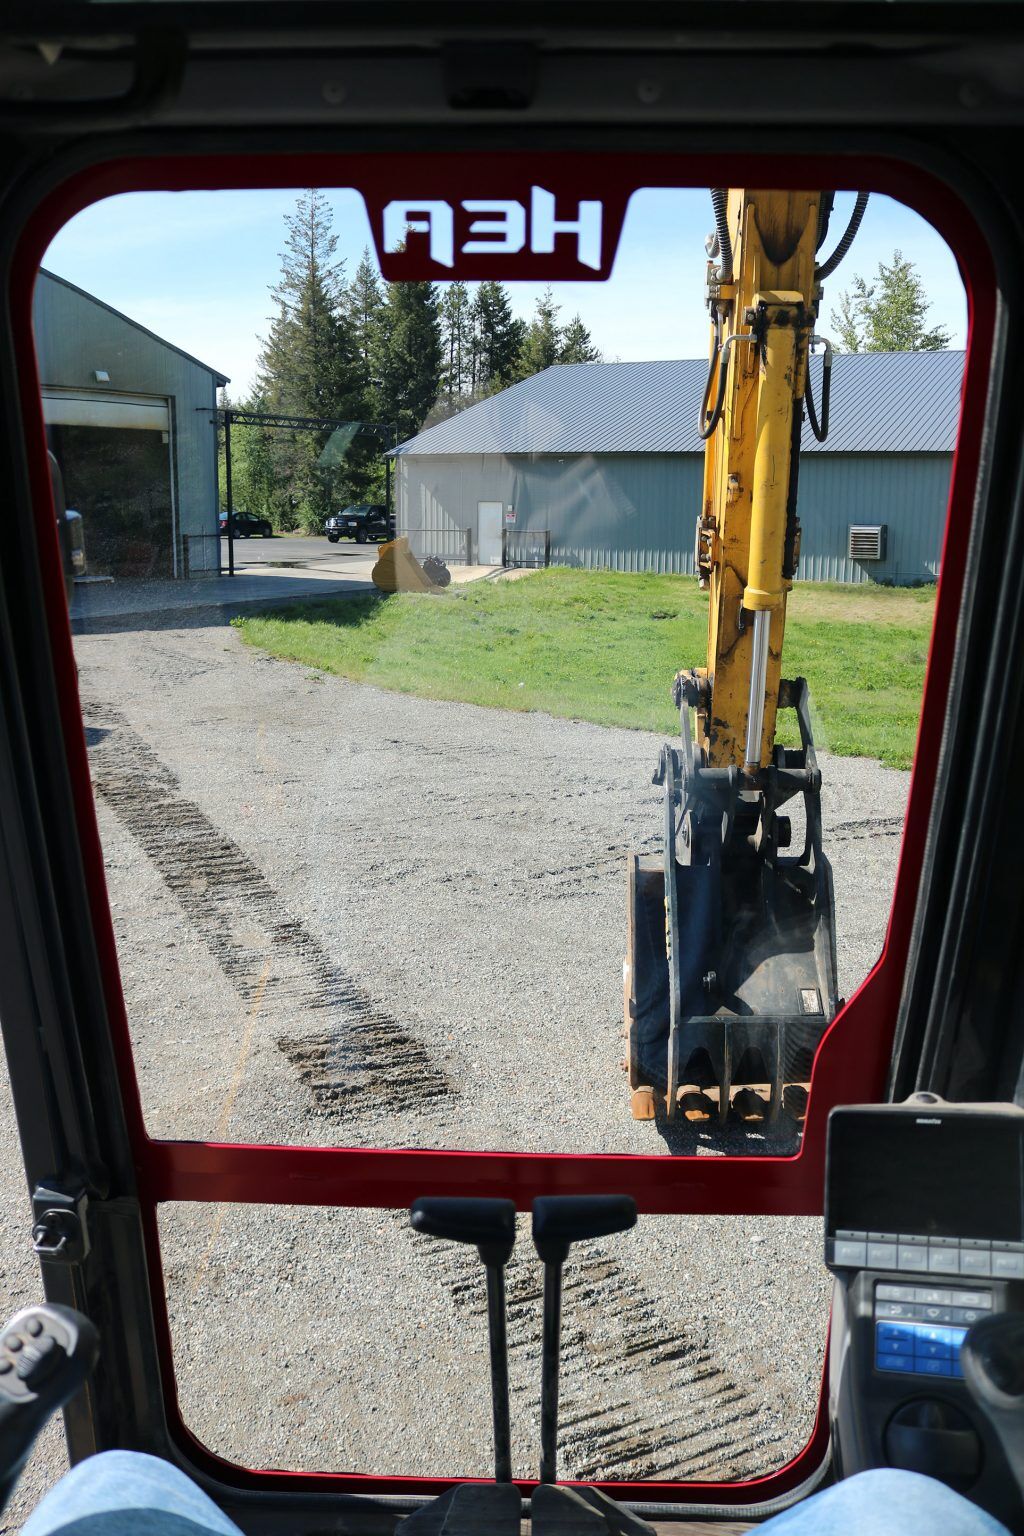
[306,551]
[356,917]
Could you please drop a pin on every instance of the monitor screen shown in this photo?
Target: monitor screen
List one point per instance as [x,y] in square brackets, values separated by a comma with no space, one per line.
[928,1173]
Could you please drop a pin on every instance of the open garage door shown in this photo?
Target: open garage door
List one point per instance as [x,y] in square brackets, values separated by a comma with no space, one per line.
[114,452]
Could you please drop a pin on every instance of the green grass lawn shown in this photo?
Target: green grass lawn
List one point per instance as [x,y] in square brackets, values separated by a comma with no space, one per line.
[596,645]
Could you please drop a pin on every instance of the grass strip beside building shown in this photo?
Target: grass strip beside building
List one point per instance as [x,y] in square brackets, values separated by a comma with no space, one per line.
[604,647]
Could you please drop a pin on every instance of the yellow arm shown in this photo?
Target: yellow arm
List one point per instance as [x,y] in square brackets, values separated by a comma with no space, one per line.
[748,534]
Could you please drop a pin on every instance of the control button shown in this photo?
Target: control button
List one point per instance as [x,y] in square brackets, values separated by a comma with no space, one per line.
[980,1299]
[934,1297]
[940,1335]
[886,1292]
[890,1309]
[882,1255]
[890,1331]
[909,1256]
[958,1369]
[937,1314]
[1007,1266]
[904,1363]
[5,1367]
[853,1255]
[928,1349]
[34,1326]
[975,1261]
[933,1367]
[967,1315]
[13,1343]
[943,1261]
[896,1347]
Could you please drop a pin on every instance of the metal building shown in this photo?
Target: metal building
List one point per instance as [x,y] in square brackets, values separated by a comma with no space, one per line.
[129,417]
[605,458]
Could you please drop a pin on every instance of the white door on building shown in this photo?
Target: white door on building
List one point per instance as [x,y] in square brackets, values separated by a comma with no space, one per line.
[488,522]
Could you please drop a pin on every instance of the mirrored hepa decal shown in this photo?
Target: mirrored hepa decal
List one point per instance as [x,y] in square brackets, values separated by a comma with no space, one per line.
[490,220]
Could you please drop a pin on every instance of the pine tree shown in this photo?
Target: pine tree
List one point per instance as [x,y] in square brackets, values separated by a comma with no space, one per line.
[497,340]
[308,365]
[455,312]
[543,340]
[407,356]
[365,308]
[577,345]
[888,315]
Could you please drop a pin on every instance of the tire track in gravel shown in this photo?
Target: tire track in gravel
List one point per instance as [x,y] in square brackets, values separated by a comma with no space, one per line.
[642,1399]
[685,1416]
[365,1061]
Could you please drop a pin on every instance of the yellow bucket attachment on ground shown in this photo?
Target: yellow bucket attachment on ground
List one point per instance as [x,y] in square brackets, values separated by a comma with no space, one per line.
[398,570]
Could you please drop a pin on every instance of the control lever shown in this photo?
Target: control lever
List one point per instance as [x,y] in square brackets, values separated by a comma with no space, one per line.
[491,1225]
[46,1353]
[992,1359]
[558,1222]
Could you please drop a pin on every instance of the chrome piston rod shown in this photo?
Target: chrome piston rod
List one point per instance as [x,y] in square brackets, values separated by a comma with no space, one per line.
[758,684]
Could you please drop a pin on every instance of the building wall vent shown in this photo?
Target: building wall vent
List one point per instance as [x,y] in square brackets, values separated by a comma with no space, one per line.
[867,543]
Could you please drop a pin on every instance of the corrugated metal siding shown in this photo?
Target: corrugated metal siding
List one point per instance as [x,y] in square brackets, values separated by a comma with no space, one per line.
[908,492]
[636,512]
[882,402]
[75,336]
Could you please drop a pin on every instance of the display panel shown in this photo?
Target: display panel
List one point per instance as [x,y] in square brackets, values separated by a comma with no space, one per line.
[948,1175]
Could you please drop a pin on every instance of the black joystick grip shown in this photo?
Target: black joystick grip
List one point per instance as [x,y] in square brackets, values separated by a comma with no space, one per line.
[490,1224]
[46,1353]
[992,1357]
[561,1220]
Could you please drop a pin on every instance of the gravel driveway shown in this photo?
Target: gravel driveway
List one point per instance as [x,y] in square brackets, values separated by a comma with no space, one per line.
[352,917]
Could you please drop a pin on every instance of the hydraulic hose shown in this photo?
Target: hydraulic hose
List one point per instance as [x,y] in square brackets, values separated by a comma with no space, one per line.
[828,267]
[719,197]
[820,429]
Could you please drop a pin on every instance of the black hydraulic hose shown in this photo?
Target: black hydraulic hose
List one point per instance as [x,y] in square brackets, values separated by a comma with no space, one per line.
[719,196]
[820,429]
[706,423]
[828,267]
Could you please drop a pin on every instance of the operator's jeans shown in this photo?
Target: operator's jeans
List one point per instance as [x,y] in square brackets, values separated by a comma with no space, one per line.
[121,1493]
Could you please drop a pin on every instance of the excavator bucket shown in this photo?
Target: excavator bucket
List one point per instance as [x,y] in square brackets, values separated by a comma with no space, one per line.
[398,570]
[730,974]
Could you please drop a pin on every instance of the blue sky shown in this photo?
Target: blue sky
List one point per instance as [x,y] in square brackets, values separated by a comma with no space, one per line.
[196,268]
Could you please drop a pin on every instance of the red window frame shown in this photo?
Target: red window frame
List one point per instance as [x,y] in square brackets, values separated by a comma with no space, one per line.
[852,1059]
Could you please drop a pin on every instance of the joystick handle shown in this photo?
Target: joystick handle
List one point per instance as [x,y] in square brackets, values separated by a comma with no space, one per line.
[46,1353]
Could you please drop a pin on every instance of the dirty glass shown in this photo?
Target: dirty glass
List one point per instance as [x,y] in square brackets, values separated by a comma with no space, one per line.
[368,853]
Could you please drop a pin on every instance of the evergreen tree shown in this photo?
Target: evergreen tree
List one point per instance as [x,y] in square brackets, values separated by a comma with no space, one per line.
[496,342]
[308,365]
[365,308]
[455,313]
[577,344]
[543,340]
[407,356]
[887,315]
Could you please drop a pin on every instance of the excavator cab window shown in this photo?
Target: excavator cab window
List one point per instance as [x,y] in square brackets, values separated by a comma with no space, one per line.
[566,835]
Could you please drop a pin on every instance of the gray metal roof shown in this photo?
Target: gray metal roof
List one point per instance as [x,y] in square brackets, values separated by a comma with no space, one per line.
[882,402]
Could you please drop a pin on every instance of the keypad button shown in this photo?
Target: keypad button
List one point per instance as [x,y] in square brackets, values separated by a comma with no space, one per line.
[933,1367]
[933,1296]
[937,1314]
[34,1327]
[1007,1266]
[909,1257]
[850,1254]
[890,1331]
[903,1363]
[943,1261]
[980,1299]
[886,1292]
[975,1261]
[893,1309]
[926,1349]
[882,1255]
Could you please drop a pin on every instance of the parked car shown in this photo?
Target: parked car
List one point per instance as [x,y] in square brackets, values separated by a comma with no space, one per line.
[246,525]
[363,522]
